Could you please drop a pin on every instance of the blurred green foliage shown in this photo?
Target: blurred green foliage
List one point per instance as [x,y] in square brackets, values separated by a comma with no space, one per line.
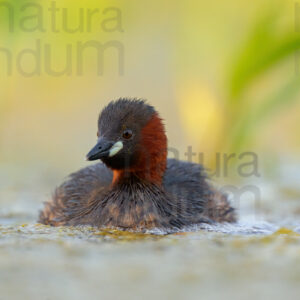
[261,52]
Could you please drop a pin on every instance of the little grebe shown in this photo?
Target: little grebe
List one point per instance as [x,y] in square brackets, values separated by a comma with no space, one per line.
[137,187]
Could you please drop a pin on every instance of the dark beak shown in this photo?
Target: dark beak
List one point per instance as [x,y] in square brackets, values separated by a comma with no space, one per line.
[100,150]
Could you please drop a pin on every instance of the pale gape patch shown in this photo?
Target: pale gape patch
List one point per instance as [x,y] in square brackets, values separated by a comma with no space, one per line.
[115,148]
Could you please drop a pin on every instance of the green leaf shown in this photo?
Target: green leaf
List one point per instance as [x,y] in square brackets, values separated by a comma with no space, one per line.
[247,126]
[262,50]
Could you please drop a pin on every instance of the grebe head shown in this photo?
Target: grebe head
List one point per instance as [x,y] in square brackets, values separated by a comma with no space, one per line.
[131,138]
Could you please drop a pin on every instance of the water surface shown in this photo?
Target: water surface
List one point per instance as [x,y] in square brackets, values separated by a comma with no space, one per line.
[258,257]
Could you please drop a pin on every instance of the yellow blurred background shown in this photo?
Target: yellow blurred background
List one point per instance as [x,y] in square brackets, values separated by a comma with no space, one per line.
[223,74]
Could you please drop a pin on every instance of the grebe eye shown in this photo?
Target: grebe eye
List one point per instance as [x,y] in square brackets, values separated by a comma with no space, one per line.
[127,134]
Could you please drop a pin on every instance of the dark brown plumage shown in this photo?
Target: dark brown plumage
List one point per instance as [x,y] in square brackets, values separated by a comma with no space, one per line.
[137,187]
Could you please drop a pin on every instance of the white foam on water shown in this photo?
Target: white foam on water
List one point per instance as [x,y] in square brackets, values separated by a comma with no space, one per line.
[242,227]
